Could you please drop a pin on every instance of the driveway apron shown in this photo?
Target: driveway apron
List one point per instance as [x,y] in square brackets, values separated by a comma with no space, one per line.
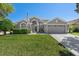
[69,41]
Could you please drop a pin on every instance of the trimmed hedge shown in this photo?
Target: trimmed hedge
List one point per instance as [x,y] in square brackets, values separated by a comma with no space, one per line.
[21,31]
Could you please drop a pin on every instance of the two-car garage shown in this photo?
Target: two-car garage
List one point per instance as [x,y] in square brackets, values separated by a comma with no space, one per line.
[57,26]
[56,29]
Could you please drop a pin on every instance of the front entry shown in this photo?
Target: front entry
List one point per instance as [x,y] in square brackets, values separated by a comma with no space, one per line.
[34,28]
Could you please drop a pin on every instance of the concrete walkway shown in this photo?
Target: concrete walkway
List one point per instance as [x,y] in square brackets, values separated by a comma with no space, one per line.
[37,34]
[70,41]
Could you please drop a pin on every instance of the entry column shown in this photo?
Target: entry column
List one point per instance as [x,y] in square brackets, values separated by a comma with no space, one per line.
[37,27]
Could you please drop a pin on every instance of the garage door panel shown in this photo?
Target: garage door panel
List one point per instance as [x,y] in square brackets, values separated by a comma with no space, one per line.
[56,29]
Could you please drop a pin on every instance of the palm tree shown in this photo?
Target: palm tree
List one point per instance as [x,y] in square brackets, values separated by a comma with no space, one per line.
[77,7]
[5,9]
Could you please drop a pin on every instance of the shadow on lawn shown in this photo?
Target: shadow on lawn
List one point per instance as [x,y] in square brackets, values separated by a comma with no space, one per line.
[65,53]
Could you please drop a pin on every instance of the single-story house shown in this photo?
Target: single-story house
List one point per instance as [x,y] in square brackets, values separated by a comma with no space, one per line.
[37,25]
[74,23]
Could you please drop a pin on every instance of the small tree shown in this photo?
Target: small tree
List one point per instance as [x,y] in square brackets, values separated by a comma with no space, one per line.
[6,9]
[6,25]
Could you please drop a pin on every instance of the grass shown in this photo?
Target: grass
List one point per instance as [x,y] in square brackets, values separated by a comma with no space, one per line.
[75,33]
[30,45]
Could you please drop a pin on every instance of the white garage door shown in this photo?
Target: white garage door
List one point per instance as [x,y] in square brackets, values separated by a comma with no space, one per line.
[56,29]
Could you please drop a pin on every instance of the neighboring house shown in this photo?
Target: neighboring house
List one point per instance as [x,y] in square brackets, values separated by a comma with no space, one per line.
[74,23]
[36,25]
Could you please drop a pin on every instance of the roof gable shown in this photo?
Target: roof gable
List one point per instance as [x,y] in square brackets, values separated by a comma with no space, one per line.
[76,21]
[57,21]
[34,19]
[21,22]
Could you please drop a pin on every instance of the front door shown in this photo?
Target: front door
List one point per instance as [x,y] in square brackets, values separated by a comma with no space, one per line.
[34,28]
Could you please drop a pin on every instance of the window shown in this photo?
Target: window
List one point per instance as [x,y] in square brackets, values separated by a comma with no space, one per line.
[34,22]
[23,26]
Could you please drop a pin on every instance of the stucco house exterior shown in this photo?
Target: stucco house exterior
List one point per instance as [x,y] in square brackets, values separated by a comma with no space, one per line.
[74,23]
[37,25]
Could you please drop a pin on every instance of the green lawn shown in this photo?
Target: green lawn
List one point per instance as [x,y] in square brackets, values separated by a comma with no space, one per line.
[75,33]
[32,45]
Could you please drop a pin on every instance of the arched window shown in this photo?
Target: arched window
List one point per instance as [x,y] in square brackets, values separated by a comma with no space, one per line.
[34,22]
[23,25]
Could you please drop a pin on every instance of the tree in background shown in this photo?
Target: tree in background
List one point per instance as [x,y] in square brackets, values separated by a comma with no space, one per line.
[5,9]
[77,7]
[5,23]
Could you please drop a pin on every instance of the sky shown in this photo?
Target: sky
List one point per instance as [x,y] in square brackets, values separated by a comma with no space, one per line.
[44,11]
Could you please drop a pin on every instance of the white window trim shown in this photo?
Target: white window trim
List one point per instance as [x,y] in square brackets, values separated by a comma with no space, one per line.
[22,23]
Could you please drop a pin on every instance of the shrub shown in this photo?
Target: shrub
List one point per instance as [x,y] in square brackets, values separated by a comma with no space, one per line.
[76,30]
[21,31]
[41,30]
[73,29]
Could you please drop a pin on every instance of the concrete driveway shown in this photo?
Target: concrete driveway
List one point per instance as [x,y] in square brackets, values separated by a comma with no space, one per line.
[70,41]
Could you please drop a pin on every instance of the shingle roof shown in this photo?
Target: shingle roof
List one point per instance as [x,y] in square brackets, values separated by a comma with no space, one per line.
[76,21]
[21,21]
[57,21]
[44,21]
